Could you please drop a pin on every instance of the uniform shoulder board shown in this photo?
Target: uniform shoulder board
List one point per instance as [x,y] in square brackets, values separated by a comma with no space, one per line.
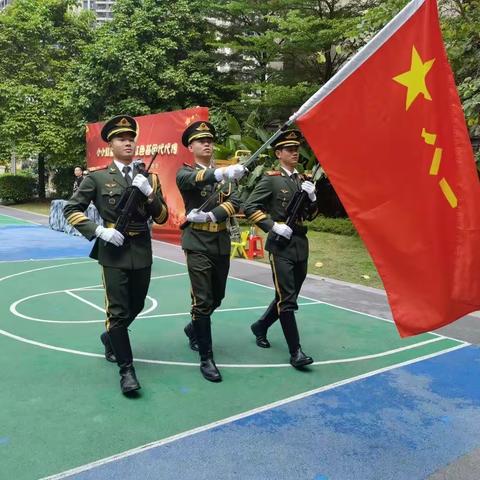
[273,173]
[187,165]
[97,169]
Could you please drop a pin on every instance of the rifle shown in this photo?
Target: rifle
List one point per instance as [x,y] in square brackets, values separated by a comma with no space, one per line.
[246,164]
[129,202]
[296,207]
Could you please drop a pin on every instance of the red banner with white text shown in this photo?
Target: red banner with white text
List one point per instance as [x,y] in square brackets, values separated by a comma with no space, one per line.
[162,132]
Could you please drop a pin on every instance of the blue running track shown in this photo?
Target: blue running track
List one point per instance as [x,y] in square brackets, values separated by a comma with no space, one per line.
[403,424]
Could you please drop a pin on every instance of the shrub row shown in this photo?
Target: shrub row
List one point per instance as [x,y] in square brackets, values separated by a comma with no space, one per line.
[16,188]
[339,226]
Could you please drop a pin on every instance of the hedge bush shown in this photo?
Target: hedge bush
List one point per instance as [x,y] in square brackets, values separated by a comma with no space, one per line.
[17,188]
[339,226]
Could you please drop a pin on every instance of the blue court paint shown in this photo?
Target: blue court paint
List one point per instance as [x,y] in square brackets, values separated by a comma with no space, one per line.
[34,242]
[403,424]
[4,440]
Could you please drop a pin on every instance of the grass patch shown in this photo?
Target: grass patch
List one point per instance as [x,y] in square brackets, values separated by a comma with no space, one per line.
[340,257]
[38,206]
[343,258]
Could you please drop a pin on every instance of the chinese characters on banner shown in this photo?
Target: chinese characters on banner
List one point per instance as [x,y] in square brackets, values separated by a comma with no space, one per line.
[162,132]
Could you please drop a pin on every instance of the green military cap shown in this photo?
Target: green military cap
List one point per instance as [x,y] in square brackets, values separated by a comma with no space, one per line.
[119,124]
[197,130]
[289,138]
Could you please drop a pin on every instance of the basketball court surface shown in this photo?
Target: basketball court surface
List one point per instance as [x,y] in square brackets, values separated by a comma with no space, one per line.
[372,406]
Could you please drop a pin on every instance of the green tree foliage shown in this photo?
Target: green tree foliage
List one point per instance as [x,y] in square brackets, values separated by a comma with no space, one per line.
[151,57]
[277,53]
[461,30]
[39,42]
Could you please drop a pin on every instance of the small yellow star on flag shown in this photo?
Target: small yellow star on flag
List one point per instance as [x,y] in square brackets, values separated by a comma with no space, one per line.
[414,79]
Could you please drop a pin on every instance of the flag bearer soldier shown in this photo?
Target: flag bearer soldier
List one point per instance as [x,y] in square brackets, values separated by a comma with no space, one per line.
[206,240]
[126,260]
[266,207]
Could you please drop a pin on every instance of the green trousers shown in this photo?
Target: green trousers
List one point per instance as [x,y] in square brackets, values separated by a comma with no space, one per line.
[125,293]
[288,278]
[208,278]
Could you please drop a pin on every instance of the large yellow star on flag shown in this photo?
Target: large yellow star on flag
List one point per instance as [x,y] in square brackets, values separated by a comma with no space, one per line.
[414,79]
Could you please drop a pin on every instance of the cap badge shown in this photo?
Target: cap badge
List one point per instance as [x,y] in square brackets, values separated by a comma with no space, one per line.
[123,123]
[203,128]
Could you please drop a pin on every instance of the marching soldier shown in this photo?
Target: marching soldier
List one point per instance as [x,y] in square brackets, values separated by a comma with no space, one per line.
[266,207]
[126,260]
[206,240]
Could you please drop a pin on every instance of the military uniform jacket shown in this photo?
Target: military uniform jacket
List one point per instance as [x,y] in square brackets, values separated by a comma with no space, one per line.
[104,188]
[268,203]
[196,184]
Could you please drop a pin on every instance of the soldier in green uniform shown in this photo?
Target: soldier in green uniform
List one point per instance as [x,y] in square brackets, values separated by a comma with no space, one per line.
[266,207]
[206,240]
[125,259]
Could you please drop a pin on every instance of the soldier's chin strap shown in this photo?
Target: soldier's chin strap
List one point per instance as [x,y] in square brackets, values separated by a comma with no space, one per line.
[246,164]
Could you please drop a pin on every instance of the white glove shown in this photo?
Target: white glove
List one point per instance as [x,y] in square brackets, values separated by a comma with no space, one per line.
[282,230]
[197,216]
[309,187]
[232,172]
[110,235]
[142,184]
[235,172]
[220,173]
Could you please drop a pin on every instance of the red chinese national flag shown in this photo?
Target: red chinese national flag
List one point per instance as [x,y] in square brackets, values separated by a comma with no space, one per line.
[390,132]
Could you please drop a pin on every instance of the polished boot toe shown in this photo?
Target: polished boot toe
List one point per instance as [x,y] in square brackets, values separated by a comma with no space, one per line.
[192,338]
[260,335]
[299,359]
[210,371]
[128,380]
[109,354]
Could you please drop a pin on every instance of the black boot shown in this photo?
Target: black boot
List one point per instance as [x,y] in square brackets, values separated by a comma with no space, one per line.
[260,327]
[298,359]
[192,339]
[109,355]
[204,337]
[123,351]
[289,326]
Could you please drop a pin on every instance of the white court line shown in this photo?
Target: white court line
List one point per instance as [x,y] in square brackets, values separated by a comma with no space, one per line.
[318,301]
[234,418]
[22,219]
[143,314]
[69,292]
[221,310]
[14,311]
[43,260]
[43,268]
[23,211]
[222,365]
[239,279]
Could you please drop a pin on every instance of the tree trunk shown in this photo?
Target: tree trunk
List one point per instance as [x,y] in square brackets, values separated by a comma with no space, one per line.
[41,176]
